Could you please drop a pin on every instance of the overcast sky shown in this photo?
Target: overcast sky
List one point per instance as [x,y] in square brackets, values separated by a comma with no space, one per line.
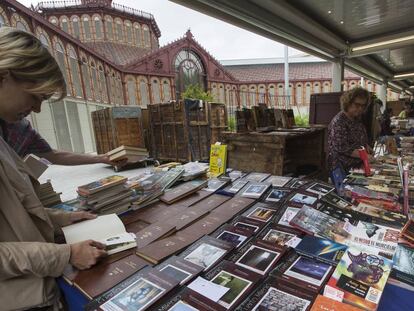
[222,40]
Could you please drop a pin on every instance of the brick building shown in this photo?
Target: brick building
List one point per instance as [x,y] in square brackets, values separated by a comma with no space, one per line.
[110,55]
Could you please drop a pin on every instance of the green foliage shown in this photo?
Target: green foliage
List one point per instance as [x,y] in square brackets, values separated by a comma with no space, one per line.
[302,120]
[231,123]
[195,91]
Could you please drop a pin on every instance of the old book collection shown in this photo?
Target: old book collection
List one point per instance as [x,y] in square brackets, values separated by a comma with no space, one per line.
[250,242]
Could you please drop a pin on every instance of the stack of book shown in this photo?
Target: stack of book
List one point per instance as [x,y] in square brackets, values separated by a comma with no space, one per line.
[132,154]
[107,195]
[47,195]
[407,145]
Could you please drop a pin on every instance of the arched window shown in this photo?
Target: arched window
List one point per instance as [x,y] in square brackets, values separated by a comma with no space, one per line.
[64,24]
[119,31]
[43,37]
[252,95]
[60,57]
[53,20]
[76,27]
[326,87]
[307,93]
[145,30]
[143,90]
[137,34]
[156,91]
[87,28]
[189,70]
[272,95]
[369,86]
[166,90]
[128,31]
[353,84]
[98,27]
[233,95]
[108,26]
[119,89]
[243,96]
[221,93]
[262,94]
[316,88]
[96,89]
[345,84]
[299,90]
[74,68]
[214,92]
[132,91]
[112,87]
[86,78]
[102,81]
[228,95]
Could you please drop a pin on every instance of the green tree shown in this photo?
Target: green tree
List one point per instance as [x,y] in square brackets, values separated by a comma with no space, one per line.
[195,91]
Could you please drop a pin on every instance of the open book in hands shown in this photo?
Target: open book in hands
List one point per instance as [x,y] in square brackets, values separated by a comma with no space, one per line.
[107,229]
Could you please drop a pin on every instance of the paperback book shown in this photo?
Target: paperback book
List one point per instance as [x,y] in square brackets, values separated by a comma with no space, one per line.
[359,279]
[323,303]
[278,194]
[257,177]
[101,184]
[320,188]
[248,223]
[261,211]
[278,181]
[403,265]
[255,190]
[234,235]
[301,198]
[287,215]
[321,249]
[278,234]
[180,269]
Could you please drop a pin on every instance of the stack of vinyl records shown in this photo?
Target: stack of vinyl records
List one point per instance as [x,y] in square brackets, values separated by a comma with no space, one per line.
[47,195]
[133,154]
[107,195]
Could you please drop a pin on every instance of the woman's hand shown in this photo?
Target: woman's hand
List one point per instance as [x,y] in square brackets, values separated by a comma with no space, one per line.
[84,255]
[79,216]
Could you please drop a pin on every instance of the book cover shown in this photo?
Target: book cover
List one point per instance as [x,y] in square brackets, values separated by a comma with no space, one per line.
[248,223]
[408,231]
[321,249]
[287,215]
[232,234]
[239,281]
[206,252]
[403,265]
[375,238]
[218,160]
[278,181]
[346,215]
[278,194]
[323,303]
[257,177]
[233,207]
[180,269]
[271,294]
[359,279]
[236,186]
[320,188]
[334,199]
[296,183]
[36,165]
[278,234]
[261,211]
[136,293]
[103,276]
[303,272]
[393,219]
[258,256]
[255,190]
[315,222]
[183,190]
[300,198]
[215,184]
[101,184]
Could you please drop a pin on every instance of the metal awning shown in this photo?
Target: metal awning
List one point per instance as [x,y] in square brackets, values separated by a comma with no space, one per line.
[374,38]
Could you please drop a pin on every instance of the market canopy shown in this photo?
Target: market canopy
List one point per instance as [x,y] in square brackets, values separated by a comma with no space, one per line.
[372,38]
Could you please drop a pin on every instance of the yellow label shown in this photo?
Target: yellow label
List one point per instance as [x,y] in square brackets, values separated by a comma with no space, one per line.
[218,160]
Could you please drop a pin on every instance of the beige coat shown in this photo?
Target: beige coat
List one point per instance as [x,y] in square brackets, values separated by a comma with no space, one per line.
[29,259]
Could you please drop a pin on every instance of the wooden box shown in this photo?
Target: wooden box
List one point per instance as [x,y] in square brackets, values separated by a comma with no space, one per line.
[218,121]
[285,152]
[117,126]
[180,131]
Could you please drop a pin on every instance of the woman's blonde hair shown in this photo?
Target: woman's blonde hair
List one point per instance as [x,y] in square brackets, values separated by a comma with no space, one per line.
[27,60]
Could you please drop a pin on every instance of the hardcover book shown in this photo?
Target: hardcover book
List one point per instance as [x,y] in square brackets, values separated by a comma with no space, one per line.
[278,234]
[261,212]
[359,279]
[239,281]
[255,190]
[101,184]
[234,235]
[179,269]
[396,220]
[138,292]
[271,294]
[321,249]
[36,165]
[296,183]
[215,184]
[287,216]
[320,188]
[232,207]
[248,223]
[257,177]
[103,276]
[301,198]
[323,303]
[206,252]
[403,265]
[303,272]
[315,222]
[278,181]
[346,215]
[334,199]
[408,231]
[183,190]
[258,256]
[278,194]
[237,186]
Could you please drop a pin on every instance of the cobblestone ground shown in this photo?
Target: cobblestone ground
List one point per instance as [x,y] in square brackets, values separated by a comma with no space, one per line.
[66,179]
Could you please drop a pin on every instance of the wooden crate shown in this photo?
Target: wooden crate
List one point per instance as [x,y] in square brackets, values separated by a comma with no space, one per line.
[218,121]
[117,126]
[279,153]
[180,131]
